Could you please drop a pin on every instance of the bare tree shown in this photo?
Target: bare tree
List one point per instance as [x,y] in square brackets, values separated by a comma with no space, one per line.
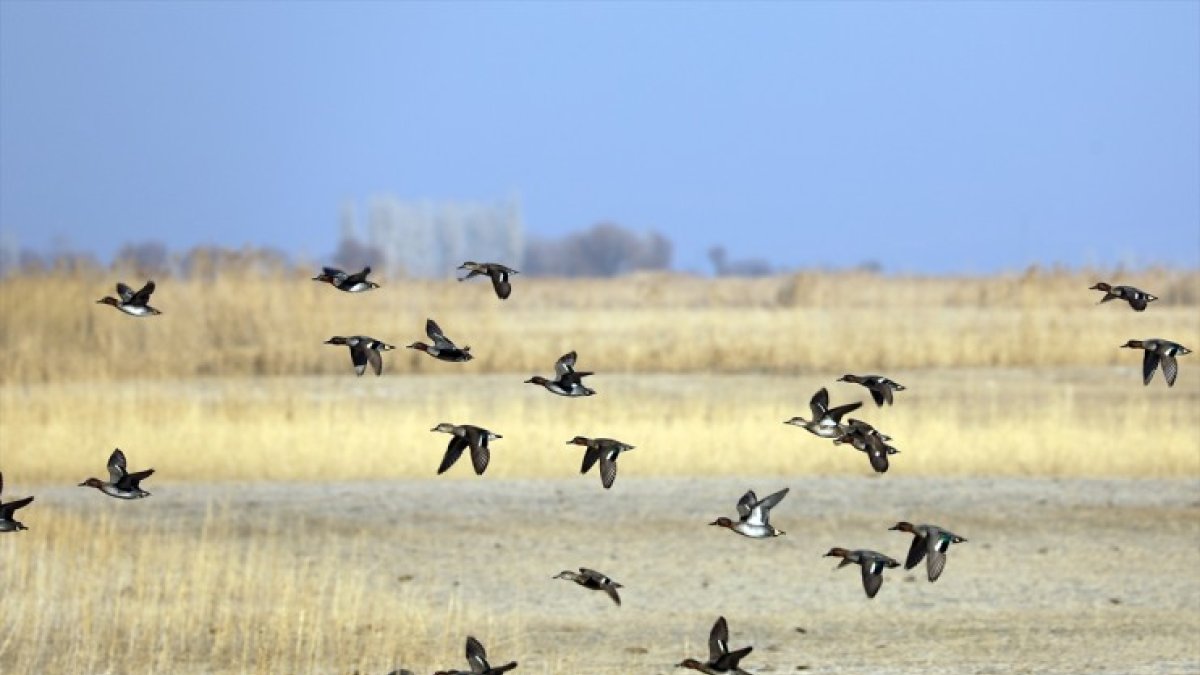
[603,250]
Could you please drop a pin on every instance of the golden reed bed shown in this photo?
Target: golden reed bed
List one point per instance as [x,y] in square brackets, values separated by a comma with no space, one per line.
[1007,375]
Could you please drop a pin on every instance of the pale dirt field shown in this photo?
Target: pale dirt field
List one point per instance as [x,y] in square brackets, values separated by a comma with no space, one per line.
[1059,576]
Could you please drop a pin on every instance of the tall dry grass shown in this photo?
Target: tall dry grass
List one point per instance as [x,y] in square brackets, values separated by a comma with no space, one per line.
[241,325]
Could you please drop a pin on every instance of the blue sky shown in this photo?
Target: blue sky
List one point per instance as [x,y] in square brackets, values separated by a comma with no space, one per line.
[933,137]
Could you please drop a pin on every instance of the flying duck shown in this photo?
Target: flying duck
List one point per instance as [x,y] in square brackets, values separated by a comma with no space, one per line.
[568,381]
[462,437]
[350,283]
[1136,297]
[881,388]
[498,273]
[720,659]
[826,421]
[477,657]
[606,451]
[121,484]
[131,303]
[754,515]
[872,563]
[593,580]
[7,522]
[442,349]
[1159,351]
[928,540]
[363,350]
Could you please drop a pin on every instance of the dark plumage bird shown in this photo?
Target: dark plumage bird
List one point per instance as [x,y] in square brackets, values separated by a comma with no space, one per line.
[130,302]
[443,348]
[866,438]
[363,350]
[754,515]
[931,541]
[881,388]
[568,381]
[477,657]
[604,450]
[720,658]
[872,563]
[121,483]
[7,522]
[593,580]
[1136,297]
[350,283]
[1159,351]
[826,421]
[498,273]
[465,436]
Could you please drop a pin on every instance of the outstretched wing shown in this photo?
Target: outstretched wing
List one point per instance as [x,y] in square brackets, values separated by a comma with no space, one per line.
[435,333]
[124,292]
[131,480]
[359,356]
[1149,363]
[1170,369]
[116,466]
[351,279]
[376,361]
[453,451]
[916,552]
[746,504]
[500,283]
[589,458]
[879,395]
[564,365]
[872,578]
[480,455]
[819,403]
[718,640]
[835,414]
[6,511]
[608,470]
[142,297]
[476,656]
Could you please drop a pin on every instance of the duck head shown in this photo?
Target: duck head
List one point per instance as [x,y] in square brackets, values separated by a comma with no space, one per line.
[690,663]
[579,440]
[1101,286]
[797,422]
[419,346]
[538,380]
[92,482]
[722,522]
[337,340]
[107,300]
[837,552]
[444,427]
[1134,344]
[903,526]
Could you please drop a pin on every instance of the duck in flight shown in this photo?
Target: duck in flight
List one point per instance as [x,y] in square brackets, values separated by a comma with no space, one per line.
[1136,297]
[881,388]
[443,348]
[754,515]
[1159,351]
[593,580]
[121,483]
[930,542]
[130,302]
[498,273]
[477,657]
[872,563]
[465,436]
[343,281]
[604,450]
[7,522]
[720,658]
[363,350]
[568,381]
[826,421]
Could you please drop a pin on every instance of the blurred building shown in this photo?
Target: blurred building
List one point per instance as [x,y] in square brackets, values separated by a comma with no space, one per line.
[430,239]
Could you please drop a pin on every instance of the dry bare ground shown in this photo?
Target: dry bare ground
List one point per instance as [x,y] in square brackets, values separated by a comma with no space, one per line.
[1059,576]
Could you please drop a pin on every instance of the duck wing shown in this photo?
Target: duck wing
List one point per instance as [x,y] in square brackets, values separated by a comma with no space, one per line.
[1170,368]
[131,481]
[589,458]
[872,577]
[359,357]
[878,395]
[936,561]
[480,455]
[729,662]
[435,333]
[124,292]
[608,470]
[500,283]
[142,297]
[375,359]
[564,365]
[771,501]
[116,466]
[916,551]
[476,656]
[454,450]
[819,403]
[6,510]
[836,414]
[1138,302]
[718,640]
[357,278]
[746,504]
[878,455]
[1149,363]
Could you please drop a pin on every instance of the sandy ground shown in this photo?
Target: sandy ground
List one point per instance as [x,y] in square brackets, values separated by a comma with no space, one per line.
[1059,576]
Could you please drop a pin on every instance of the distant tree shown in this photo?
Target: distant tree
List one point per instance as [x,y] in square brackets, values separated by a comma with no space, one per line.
[603,250]
[723,267]
[352,254]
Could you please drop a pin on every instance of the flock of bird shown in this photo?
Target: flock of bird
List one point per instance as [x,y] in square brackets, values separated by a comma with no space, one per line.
[929,542]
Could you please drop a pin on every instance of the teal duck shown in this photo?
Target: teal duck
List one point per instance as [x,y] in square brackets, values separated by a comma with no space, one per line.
[1159,351]
[931,541]
[872,564]
[593,580]
[363,350]
[1136,297]
[754,515]
[443,348]
[606,451]
[343,281]
[465,436]
[720,658]
[826,421]
[131,302]
[568,381]
[498,273]
[881,388]
[121,483]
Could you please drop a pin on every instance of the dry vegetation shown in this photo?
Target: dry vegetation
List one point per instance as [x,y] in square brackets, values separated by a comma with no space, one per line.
[1006,376]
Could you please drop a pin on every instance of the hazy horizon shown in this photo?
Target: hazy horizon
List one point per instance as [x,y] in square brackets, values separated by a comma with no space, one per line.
[930,138]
